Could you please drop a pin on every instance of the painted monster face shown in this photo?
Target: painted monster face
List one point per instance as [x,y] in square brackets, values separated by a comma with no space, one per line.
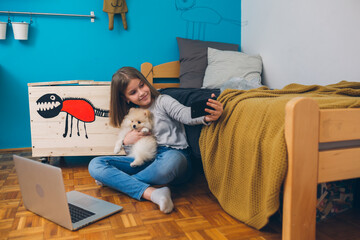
[49,105]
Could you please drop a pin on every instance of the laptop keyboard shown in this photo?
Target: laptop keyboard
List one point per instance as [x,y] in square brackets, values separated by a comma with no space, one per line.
[78,214]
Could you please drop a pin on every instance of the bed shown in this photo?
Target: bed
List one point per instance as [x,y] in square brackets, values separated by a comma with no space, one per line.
[321,146]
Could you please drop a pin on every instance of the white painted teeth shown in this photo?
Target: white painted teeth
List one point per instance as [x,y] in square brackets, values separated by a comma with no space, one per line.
[44,106]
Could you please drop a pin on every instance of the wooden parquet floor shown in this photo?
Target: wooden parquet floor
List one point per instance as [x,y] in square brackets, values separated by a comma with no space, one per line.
[197,214]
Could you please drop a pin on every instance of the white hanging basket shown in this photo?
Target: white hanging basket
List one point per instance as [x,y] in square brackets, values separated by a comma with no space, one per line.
[20,30]
[3,26]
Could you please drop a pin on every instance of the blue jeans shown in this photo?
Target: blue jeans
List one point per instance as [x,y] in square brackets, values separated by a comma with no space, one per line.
[169,166]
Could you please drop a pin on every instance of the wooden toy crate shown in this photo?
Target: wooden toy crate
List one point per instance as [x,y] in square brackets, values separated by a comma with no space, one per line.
[70,118]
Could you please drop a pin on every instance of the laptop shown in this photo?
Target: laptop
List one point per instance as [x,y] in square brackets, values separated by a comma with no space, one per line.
[43,192]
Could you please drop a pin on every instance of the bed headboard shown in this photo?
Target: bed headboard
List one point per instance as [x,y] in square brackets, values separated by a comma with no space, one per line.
[165,70]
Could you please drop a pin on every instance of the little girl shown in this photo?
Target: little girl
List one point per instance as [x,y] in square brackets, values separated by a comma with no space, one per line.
[129,88]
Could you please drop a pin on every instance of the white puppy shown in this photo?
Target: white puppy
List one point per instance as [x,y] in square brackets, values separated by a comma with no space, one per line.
[144,149]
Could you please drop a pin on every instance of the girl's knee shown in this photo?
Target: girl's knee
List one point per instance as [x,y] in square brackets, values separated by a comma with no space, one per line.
[182,164]
[176,162]
[95,165]
[168,166]
[177,158]
[182,171]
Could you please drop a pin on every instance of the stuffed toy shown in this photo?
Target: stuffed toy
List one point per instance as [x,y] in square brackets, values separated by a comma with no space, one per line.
[115,7]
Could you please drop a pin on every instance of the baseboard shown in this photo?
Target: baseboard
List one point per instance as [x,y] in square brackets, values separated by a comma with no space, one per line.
[15,150]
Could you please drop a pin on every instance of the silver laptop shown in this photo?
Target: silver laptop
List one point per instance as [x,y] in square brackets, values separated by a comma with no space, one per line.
[43,192]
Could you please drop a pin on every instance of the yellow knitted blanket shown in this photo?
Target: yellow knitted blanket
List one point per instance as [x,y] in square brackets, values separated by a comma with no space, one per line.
[244,153]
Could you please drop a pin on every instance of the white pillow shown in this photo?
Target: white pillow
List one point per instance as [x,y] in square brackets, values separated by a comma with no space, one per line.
[241,84]
[223,65]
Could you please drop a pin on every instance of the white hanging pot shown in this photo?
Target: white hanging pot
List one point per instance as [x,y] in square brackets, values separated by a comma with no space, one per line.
[20,30]
[3,26]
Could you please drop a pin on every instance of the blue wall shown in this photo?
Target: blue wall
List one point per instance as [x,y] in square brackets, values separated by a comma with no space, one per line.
[68,48]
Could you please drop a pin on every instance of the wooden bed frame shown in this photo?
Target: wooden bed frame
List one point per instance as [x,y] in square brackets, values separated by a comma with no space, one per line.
[306,128]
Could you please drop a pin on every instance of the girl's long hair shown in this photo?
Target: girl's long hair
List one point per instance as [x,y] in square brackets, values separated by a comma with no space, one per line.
[119,107]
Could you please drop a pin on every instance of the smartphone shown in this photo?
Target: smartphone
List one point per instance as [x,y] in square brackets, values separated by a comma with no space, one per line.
[198,108]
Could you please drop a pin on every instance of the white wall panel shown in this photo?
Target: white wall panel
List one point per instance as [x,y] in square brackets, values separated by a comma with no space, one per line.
[303,41]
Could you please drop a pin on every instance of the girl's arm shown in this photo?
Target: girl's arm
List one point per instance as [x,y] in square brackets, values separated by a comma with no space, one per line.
[182,113]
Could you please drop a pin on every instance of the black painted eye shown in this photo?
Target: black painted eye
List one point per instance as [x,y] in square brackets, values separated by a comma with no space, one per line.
[52,97]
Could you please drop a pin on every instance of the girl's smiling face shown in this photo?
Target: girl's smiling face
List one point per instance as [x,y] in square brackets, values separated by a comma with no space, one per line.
[138,93]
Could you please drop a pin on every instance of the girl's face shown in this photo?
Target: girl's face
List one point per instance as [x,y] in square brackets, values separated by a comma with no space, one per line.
[138,93]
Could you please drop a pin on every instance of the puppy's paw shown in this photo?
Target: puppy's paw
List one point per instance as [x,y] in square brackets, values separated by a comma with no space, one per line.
[117,149]
[136,164]
[145,130]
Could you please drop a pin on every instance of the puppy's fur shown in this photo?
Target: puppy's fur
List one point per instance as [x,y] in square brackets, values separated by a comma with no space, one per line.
[144,149]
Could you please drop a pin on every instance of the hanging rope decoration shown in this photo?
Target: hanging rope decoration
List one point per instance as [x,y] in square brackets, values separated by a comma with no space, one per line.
[115,7]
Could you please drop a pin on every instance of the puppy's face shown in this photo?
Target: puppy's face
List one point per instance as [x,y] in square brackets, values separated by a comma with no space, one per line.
[139,118]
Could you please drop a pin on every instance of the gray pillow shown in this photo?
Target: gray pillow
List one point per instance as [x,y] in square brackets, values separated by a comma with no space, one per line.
[193,60]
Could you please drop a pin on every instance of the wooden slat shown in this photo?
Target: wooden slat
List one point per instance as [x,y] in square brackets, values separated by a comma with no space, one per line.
[80,82]
[301,132]
[147,71]
[166,85]
[167,70]
[339,164]
[15,149]
[339,125]
[53,83]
